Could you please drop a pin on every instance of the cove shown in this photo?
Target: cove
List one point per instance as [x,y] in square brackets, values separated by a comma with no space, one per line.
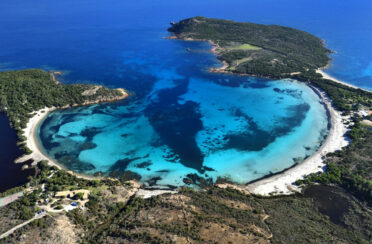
[183,120]
[252,128]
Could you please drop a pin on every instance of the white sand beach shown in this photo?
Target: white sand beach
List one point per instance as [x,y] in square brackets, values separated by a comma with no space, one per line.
[31,141]
[327,76]
[143,193]
[277,184]
[282,184]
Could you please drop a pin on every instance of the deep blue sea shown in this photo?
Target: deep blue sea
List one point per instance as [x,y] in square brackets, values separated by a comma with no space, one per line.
[181,119]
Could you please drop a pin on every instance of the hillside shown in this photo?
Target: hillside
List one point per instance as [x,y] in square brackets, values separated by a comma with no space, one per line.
[222,213]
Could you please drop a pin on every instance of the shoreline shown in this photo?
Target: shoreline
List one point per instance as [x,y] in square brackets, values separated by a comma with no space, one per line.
[33,144]
[224,68]
[277,184]
[328,77]
[54,74]
[283,183]
[213,50]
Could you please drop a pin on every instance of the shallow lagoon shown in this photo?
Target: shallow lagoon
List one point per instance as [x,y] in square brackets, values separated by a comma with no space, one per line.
[184,120]
[191,121]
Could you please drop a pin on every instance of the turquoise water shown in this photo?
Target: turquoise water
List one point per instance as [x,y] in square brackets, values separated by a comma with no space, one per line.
[190,122]
[181,119]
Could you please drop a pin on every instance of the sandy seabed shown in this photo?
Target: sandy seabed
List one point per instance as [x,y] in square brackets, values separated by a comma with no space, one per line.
[31,131]
[282,183]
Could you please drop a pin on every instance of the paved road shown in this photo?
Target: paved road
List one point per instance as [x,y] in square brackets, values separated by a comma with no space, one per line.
[37,216]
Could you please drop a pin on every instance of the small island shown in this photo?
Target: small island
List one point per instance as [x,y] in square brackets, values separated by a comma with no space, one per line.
[254,49]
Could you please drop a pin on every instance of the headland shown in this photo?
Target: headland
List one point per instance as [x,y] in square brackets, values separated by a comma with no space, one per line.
[255,50]
[45,95]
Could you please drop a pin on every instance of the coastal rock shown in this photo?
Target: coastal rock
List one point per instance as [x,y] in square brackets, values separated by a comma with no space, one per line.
[24,167]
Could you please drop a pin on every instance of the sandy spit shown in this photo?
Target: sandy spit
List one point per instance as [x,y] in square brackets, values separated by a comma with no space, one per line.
[327,76]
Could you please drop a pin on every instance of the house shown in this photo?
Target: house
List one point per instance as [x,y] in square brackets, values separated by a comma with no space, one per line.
[363,113]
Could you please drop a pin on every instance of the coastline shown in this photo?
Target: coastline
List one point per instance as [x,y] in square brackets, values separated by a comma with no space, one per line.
[32,142]
[215,47]
[283,183]
[54,74]
[328,77]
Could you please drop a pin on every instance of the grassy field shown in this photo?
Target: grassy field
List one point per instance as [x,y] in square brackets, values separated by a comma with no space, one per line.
[245,47]
[236,63]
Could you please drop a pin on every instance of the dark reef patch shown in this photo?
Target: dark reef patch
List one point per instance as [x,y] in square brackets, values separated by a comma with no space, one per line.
[254,138]
[177,124]
[72,162]
[154,181]
[194,179]
[125,176]
[294,93]
[205,168]
[122,164]
[87,145]
[143,164]
[89,133]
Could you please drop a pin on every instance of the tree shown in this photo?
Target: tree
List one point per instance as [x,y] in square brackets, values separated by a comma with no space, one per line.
[25,213]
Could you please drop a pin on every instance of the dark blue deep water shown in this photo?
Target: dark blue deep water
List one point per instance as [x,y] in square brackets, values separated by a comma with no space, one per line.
[11,174]
[181,119]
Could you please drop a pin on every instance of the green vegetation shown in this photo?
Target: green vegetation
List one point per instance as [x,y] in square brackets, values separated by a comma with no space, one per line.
[350,168]
[25,91]
[345,98]
[245,47]
[204,216]
[25,207]
[267,50]
[12,191]
[62,180]
[25,213]
[290,53]
[324,213]
[216,215]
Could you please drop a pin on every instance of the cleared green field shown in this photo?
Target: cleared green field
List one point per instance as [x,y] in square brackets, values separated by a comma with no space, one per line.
[245,47]
[238,62]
